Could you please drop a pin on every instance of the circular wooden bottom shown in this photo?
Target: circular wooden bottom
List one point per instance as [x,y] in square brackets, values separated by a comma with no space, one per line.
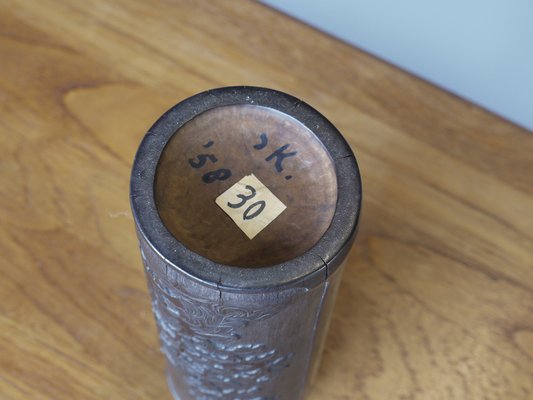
[215,150]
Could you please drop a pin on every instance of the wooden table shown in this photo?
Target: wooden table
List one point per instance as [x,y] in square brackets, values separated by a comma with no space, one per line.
[437,299]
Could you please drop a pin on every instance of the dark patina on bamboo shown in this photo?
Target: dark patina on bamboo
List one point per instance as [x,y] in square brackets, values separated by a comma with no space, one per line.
[240,317]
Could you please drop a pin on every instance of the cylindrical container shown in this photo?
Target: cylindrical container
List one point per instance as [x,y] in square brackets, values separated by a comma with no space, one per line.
[246,201]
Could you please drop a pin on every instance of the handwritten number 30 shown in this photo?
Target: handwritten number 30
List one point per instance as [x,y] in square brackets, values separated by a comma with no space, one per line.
[257,207]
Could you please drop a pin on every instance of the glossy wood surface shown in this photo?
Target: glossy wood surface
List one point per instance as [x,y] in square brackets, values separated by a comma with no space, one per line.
[437,297]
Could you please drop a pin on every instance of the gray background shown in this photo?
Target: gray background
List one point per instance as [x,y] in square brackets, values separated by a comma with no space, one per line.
[481,50]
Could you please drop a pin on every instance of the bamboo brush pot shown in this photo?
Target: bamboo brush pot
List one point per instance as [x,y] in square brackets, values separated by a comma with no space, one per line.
[246,201]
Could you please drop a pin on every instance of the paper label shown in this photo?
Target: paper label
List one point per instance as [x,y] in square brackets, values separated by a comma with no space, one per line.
[251,205]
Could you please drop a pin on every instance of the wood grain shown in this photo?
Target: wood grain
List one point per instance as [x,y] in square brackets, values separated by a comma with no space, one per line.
[437,299]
